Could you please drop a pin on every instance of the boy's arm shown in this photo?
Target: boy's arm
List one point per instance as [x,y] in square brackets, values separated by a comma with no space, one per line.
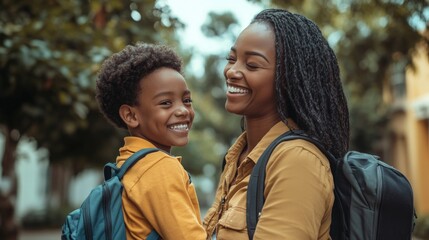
[169,201]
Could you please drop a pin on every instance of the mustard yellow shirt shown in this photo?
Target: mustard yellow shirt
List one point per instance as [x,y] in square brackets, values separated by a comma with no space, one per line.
[158,195]
[298,192]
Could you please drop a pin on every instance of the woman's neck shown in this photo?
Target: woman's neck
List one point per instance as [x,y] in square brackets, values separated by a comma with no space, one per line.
[256,128]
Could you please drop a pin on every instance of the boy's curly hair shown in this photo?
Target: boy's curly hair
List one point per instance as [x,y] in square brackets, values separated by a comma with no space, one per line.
[120,75]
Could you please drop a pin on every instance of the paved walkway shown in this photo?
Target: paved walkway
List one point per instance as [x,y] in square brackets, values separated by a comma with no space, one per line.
[54,235]
[40,235]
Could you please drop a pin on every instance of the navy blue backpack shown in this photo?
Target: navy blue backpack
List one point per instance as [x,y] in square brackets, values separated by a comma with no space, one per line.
[100,215]
[373,200]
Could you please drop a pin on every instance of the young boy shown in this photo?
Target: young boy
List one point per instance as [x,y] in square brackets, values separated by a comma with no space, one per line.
[141,89]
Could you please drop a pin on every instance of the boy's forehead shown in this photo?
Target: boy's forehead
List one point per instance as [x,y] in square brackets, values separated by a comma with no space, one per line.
[163,80]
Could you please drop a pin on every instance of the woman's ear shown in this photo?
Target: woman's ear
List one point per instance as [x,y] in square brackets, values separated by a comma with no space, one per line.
[128,116]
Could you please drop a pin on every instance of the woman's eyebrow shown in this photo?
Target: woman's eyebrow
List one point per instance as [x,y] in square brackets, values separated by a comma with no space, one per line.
[257,54]
[252,53]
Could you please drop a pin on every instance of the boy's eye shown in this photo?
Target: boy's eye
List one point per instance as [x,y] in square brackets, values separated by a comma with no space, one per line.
[165,102]
[187,100]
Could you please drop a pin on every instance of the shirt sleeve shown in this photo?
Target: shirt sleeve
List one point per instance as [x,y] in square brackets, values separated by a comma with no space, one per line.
[168,200]
[298,196]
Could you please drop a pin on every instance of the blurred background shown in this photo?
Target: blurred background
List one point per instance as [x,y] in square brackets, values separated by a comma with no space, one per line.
[54,141]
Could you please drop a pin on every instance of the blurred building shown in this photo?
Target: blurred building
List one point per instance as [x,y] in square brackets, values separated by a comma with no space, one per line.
[406,143]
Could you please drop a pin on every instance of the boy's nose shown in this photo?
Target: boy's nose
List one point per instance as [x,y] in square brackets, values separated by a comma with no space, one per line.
[181,111]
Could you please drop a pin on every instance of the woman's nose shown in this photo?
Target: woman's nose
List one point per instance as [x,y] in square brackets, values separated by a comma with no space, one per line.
[233,73]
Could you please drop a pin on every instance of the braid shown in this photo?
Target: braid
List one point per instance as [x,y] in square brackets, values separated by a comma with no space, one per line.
[308,85]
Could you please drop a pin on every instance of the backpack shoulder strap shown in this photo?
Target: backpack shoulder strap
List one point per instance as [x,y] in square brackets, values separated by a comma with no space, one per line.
[255,189]
[111,169]
[133,159]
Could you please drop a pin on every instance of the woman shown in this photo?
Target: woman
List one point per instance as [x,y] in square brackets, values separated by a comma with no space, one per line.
[281,75]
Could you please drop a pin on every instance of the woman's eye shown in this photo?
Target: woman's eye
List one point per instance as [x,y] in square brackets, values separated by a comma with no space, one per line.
[252,66]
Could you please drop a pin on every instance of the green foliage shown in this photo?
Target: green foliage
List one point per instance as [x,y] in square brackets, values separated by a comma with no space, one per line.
[50,52]
[219,25]
[365,36]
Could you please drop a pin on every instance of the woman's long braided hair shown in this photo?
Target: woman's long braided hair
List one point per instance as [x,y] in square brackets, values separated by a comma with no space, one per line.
[308,85]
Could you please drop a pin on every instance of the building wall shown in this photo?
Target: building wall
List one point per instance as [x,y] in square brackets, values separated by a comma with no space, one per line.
[417,129]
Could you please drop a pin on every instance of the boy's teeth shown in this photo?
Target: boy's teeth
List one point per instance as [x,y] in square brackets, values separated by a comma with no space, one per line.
[179,127]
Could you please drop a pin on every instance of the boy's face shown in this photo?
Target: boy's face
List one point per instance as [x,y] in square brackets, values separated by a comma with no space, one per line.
[164,109]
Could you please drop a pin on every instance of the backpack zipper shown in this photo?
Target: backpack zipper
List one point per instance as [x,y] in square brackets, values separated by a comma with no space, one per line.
[106,206]
[87,220]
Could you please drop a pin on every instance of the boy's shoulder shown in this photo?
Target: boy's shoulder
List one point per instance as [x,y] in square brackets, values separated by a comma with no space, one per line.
[152,164]
[151,172]
[153,159]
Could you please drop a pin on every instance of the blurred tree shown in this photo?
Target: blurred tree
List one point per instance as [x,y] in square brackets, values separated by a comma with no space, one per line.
[366,35]
[50,52]
[213,129]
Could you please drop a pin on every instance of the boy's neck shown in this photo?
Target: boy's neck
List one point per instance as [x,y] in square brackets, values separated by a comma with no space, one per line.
[166,149]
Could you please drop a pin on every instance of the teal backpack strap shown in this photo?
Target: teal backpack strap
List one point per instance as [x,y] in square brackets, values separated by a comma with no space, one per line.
[110,169]
[153,236]
[127,165]
[133,159]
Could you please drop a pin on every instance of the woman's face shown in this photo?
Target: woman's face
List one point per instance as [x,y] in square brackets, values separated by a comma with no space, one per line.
[250,72]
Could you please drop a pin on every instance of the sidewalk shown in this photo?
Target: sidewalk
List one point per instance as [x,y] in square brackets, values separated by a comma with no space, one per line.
[56,234]
[40,235]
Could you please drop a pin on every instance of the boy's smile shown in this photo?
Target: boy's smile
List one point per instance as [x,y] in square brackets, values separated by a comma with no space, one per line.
[164,110]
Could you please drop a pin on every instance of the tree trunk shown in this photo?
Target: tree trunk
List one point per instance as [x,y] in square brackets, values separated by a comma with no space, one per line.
[8,187]
[58,187]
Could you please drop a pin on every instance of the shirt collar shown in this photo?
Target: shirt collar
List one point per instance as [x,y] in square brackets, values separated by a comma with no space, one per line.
[278,129]
[236,149]
[133,144]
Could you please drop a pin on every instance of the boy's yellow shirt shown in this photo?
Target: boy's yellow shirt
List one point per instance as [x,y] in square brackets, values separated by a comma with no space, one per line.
[158,195]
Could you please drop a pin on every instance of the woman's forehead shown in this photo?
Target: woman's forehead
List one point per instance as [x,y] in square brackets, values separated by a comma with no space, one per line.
[256,36]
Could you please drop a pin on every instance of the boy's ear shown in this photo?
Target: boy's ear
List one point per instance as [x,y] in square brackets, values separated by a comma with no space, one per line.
[128,116]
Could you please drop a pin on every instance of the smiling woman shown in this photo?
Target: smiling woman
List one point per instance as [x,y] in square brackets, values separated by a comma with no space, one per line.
[281,75]
[251,58]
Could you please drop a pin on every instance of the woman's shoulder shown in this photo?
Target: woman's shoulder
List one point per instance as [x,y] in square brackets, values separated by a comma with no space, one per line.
[300,159]
[300,151]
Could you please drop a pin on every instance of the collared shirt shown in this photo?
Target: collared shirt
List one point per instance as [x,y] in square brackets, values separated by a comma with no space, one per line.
[298,192]
[159,195]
